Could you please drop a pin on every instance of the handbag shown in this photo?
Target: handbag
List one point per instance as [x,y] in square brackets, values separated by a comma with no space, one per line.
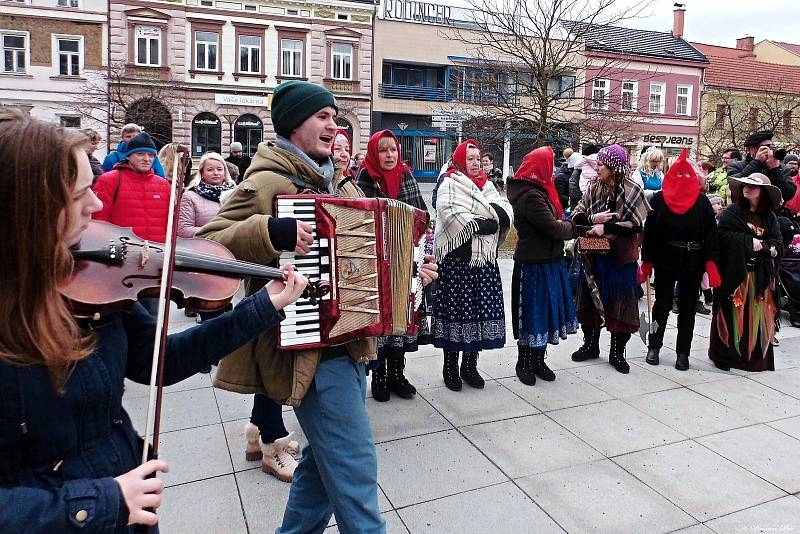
[594,245]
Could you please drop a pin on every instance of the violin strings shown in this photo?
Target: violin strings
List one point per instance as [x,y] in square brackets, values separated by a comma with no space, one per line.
[211,262]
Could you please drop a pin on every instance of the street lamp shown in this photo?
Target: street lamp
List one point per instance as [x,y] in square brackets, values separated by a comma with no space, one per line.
[231,118]
[402,126]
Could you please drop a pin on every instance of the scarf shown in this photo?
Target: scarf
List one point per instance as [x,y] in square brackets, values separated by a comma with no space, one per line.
[212,192]
[681,186]
[458,163]
[389,181]
[631,206]
[537,167]
[325,169]
[459,206]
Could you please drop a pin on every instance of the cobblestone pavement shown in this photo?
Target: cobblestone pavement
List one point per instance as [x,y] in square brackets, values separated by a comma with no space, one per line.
[657,450]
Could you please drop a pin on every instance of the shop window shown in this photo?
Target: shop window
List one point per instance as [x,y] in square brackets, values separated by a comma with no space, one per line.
[248,130]
[206,134]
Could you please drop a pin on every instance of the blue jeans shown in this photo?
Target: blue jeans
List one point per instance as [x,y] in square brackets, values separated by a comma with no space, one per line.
[338,473]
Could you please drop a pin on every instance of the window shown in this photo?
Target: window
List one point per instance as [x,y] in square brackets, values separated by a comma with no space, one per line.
[291,57]
[683,101]
[657,98]
[250,54]
[342,16]
[721,114]
[67,121]
[291,12]
[250,7]
[600,93]
[561,87]
[67,3]
[206,134]
[148,46]
[69,56]
[15,53]
[206,3]
[630,96]
[206,50]
[342,60]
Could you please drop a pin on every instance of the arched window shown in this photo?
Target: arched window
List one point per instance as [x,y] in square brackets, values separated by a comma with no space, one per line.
[154,117]
[248,130]
[206,134]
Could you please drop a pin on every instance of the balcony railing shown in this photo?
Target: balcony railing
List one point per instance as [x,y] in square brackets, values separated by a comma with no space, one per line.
[440,94]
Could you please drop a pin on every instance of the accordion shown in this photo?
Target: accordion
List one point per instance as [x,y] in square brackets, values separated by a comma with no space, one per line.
[368,251]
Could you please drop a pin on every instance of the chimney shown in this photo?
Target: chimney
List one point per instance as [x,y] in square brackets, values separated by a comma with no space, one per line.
[677,20]
[745,43]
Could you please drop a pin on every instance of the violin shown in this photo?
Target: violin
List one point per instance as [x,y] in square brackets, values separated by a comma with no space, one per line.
[113,268]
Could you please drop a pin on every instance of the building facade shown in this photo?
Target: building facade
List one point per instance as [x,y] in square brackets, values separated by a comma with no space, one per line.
[643,89]
[50,50]
[203,72]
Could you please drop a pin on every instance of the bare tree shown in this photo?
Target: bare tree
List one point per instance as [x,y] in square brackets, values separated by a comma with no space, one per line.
[731,114]
[529,65]
[116,98]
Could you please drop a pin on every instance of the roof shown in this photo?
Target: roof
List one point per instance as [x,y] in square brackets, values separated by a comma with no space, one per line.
[793,48]
[733,72]
[722,51]
[635,42]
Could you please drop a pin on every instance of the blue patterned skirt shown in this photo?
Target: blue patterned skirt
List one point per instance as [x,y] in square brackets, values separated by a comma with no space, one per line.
[543,304]
[468,313]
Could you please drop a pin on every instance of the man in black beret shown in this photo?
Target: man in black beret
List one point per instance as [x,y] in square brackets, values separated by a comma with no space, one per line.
[760,159]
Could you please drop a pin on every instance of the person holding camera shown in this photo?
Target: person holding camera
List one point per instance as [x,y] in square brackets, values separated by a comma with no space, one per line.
[763,158]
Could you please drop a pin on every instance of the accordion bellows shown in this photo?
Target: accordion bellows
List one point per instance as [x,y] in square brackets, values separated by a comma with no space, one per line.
[369,250]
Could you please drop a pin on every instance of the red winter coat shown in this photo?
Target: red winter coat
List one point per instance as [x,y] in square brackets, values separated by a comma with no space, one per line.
[137,200]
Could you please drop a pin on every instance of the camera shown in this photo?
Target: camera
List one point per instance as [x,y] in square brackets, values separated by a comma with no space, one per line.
[778,153]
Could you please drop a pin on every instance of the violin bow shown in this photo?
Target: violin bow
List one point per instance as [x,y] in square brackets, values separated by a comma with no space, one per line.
[156,394]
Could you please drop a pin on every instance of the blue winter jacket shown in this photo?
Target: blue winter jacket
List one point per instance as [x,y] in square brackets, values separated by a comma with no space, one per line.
[59,453]
[119,154]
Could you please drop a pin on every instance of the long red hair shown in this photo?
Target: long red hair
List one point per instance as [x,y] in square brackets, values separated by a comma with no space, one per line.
[36,326]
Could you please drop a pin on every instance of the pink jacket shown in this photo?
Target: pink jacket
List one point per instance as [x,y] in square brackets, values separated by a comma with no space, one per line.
[196,211]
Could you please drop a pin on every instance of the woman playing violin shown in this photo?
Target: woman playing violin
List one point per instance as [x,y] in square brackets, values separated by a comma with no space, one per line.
[69,455]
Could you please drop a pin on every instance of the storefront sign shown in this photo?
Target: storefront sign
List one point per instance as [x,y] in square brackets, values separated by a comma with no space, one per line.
[248,124]
[429,150]
[241,100]
[205,121]
[666,140]
[414,11]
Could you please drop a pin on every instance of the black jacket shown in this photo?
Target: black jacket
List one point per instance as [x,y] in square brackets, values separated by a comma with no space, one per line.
[562,184]
[243,163]
[575,188]
[779,176]
[540,235]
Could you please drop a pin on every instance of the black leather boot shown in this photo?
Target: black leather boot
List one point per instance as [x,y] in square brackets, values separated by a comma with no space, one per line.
[591,345]
[380,384]
[450,371]
[539,367]
[616,356]
[682,363]
[524,367]
[655,341]
[652,356]
[469,370]
[398,384]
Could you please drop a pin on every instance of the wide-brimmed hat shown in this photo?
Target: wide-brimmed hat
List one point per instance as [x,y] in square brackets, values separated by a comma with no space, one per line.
[757,179]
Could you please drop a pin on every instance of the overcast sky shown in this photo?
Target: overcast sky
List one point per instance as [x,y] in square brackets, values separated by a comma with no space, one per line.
[717,22]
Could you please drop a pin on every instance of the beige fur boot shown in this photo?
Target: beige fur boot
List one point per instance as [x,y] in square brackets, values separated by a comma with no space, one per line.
[252,450]
[277,461]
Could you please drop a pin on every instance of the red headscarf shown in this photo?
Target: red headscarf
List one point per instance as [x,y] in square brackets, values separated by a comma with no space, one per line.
[346,170]
[681,186]
[537,167]
[388,180]
[459,160]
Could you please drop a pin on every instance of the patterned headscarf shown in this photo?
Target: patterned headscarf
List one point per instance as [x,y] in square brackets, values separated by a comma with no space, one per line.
[615,158]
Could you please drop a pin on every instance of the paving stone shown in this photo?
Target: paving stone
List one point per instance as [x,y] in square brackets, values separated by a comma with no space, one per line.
[696,529]
[613,427]
[776,462]
[423,468]
[786,381]
[199,380]
[698,480]
[688,412]
[233,406]
[263,500]
[789,426]
[565,391]
[402,418]
[234,435]
[701,369]
[179,410]
[529,445]
[751,399]
[195,454]
[393,524]
[471,406]
[781,515]
[499,508]
[210,505]
[638,382]
[602,497]
[425,373]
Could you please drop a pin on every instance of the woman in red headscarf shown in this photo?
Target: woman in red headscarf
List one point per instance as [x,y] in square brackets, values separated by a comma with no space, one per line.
[542,304]
[471,221]
[342,150]
[385,175]
[680,241]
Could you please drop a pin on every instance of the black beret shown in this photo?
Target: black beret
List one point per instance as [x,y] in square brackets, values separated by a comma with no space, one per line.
[756,138]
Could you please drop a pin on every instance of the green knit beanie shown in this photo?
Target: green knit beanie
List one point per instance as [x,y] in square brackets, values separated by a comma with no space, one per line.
[295,101]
